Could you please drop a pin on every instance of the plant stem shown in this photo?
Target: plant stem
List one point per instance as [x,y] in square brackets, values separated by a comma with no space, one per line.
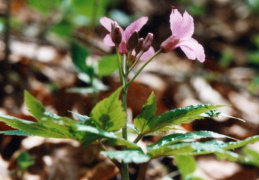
[94,15]
[144,65]
[138,138]
[119,64]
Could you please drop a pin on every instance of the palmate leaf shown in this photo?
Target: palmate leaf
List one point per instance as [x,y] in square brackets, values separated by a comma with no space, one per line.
[198,148]
[32,128]
[175,138]
[179,116]
[128,156]
[109,114]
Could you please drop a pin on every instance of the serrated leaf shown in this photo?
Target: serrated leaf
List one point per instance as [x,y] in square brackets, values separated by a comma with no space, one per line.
[107,65]
[15,132]
[128,156]
[32,128]
[185,164]
[175,138]
[109,114]
[199,148]
[79,55]
[148,112]
[179,116]
[63,124]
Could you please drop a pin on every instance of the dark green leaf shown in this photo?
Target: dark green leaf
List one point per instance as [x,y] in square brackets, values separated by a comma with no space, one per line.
[107,65]
[148,112]
[109,114]
[179,116]
[79,55]
[128,156]
[24,161]
[175,138]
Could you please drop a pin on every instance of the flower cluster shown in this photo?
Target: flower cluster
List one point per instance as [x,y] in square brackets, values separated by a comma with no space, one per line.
[128,40]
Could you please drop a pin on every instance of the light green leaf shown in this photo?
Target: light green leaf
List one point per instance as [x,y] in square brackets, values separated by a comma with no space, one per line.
[128,156]
[109,114]
[179,116]
[148,112]
[175,138]
[185,164]
[122,142]
[32,128]
[107,65]
[46,7]
[15,132]
[252,155]
[63,124]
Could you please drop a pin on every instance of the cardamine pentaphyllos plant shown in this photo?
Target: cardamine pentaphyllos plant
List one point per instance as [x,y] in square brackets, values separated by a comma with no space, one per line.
[107,124]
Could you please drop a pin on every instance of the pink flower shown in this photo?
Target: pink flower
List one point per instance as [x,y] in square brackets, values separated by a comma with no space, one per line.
[135,26]
[182,28]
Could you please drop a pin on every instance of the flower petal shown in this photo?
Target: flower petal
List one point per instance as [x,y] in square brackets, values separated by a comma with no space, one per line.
[182,27]
[108,40]
[148,54]
[106,22]
[135,26]
[192,49]
[123,47]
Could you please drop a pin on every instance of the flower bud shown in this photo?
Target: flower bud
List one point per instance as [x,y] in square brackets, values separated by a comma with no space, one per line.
[132,41]
[115,33]
[169,44]
[138,48]
[148,42]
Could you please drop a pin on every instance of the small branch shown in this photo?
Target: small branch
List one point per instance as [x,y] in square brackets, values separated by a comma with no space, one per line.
[138,138]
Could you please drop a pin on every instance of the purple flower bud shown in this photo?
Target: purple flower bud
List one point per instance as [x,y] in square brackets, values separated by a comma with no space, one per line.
[169,44]
[115,33]
[148,42]
[138,48]
[132,41]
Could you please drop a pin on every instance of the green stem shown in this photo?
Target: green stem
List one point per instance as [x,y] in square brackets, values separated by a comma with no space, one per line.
[138,138]
[94,15]
[119,64]
[144,65]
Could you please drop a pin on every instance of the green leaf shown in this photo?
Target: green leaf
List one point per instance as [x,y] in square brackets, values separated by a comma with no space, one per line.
[89,134]
[109,114]
[128,156]
[32,128]
[122,142]
[15,132]
[148,112]
[79,55]
[185,164]
[46,7]
[175,138]
[62,124]
[24,161]
[107,65]
[179,116]
[199,148]
[63,29]
[252,155]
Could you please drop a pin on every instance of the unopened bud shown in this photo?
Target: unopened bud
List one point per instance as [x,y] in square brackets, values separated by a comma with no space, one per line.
[148,42]
[115,33]
[169,44]
[138,48]
[132,41]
